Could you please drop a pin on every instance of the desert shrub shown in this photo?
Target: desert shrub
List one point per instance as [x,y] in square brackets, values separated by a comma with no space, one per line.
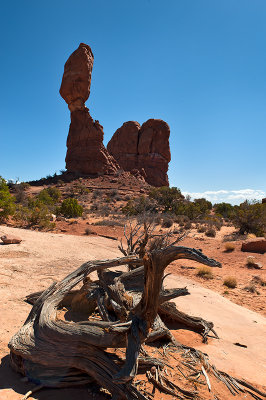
[258,280]
[181,219]
[250,217]
[205,272]
[49,196]
[251,289]
[81,189]
[7,204]
[172,200]
[201,229]
[223,209]
[139,205]
[167,198]
[213,222]
[204,206]
[104,210]
[210,232]
[167,221]
[188,225]
[108,222]
[97,193]
[34,214]
[113,193]
[229,247]
[157,219]
[19,190]
[94,207]
[70,208]
[230,282]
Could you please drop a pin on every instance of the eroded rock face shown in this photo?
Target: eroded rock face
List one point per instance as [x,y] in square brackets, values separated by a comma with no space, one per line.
[143,148]
[86,153]
[124,145]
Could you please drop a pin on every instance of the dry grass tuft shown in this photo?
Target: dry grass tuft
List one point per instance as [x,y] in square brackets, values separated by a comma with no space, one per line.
[230,282]
[205,272]
[229,247]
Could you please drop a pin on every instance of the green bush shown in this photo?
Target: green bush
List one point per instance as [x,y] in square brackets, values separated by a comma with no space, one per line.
[34,214]
[167,198]
[70,208]
[204,206]
[223,209]
[250,217]
[139,205]
[49,196]
[7,205]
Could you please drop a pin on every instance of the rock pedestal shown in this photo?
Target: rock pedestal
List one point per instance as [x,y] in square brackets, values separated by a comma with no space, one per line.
[86,153]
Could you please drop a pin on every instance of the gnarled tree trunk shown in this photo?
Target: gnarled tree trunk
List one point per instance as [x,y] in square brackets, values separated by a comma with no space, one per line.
[54,351]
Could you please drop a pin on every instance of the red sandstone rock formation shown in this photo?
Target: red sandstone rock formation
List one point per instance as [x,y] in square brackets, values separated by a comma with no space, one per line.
[256,245]
[86,153]
[144,148]
[76,81]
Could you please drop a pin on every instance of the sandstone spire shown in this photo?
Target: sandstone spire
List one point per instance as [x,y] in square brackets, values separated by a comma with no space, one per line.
[86,153]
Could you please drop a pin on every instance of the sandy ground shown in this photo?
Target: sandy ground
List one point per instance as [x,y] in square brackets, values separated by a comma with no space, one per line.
[44,257]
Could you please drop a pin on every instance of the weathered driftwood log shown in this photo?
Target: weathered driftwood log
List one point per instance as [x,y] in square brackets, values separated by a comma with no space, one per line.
[54,351]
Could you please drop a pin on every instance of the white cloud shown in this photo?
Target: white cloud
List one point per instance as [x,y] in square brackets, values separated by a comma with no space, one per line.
[229,196]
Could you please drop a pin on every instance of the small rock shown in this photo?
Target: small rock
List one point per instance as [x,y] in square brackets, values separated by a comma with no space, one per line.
[9,239]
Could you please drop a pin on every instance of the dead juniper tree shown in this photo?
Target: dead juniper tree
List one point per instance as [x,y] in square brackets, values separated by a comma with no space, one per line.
[132,306]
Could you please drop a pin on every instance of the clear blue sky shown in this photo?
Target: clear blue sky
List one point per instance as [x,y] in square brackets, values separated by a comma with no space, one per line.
[198,64]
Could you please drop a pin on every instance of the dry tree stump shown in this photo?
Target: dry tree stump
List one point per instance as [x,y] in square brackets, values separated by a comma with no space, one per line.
[56,352]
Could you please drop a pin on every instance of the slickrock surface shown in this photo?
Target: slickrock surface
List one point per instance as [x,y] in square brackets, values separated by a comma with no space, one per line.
[144,148]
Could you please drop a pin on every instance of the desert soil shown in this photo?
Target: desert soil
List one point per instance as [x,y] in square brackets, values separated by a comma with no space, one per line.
[44,257]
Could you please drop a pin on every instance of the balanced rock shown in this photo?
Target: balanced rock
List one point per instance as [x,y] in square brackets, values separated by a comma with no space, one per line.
[86,153]
[9,239]
[144,148]
[257,245]
[76,82]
